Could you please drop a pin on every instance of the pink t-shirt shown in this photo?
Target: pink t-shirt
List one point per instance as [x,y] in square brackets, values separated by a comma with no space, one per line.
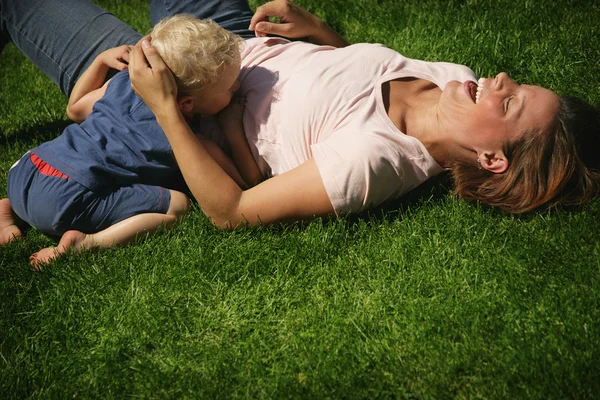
[306,101]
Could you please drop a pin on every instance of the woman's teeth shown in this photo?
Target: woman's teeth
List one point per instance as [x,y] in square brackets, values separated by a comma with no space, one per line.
[479,89]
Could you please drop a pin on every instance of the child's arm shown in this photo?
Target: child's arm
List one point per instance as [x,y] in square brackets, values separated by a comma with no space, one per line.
[230,120]
[225,162]
[90,86]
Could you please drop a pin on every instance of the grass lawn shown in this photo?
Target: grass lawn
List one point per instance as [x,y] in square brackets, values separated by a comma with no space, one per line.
[427,298]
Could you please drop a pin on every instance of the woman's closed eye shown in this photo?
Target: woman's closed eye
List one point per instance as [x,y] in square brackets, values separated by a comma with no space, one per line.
[507,104]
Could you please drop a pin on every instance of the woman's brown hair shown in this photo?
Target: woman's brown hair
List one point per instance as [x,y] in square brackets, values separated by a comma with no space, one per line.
[560,166]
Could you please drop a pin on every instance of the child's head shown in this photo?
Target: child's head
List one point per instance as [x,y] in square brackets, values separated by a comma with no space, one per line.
[204,58]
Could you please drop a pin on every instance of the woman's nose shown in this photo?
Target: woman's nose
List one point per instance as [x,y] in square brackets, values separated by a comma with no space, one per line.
[504,81]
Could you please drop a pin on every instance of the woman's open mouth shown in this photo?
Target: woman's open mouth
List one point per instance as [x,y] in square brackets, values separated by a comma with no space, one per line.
[480,88]
[471,90]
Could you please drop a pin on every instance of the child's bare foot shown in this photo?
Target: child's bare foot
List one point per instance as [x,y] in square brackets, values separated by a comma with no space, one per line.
[70,240]
[9,230]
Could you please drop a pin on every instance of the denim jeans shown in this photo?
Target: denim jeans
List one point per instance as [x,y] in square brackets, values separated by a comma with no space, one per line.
[62,37]
[233,15]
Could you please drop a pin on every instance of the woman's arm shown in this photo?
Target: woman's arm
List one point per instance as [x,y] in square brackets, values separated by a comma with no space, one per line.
[295,195]
[90,87]
[295,23]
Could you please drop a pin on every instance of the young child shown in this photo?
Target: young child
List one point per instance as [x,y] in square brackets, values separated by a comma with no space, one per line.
[113,176]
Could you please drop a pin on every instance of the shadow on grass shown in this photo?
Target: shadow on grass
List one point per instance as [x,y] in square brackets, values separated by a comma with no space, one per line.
[433,190]
[36,134]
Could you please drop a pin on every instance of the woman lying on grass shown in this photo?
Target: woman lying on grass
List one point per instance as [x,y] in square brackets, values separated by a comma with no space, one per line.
[344,128]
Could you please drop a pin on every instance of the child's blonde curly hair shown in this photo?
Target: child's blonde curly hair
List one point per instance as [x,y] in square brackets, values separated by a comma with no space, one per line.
[195,50]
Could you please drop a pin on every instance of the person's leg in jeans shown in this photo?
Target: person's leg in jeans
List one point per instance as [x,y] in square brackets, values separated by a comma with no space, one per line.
[233,15]
[62,37]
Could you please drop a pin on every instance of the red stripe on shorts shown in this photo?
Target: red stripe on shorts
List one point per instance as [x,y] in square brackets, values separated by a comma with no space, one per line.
[45,169]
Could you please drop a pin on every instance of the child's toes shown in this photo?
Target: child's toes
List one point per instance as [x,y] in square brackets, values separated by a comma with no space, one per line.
[42,258]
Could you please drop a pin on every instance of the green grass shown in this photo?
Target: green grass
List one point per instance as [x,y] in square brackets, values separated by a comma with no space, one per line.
[431,298]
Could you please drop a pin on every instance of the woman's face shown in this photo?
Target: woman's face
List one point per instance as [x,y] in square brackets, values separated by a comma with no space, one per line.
[496,110]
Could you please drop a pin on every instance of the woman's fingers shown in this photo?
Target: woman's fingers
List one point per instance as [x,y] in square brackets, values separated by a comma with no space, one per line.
[137,59]
[263,13]
[150,77]
[146,57]
[282,29]
[295,21]
[154,59]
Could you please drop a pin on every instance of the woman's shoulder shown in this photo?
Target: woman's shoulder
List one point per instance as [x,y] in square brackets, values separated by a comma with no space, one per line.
[396,63]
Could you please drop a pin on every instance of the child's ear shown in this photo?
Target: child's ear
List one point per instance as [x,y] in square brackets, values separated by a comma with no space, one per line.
[186,104]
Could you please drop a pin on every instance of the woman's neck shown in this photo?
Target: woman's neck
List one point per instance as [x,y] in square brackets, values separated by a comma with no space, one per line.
[411,105]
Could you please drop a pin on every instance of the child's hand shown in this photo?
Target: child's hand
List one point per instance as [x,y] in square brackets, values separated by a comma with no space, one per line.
[117,57]
[234,112]
[91,86]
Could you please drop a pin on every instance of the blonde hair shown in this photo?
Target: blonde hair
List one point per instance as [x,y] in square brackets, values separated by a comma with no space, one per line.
[557,167]
[195,50]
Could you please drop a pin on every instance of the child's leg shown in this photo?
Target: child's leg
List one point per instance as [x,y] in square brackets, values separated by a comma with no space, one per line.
[9,223]
[62,37]
[233,15]
[122,232]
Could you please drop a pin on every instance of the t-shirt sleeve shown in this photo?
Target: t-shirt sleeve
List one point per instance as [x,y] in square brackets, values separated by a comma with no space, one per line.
[359,171]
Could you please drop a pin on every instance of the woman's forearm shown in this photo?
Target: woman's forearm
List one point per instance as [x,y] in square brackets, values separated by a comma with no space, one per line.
[324,35]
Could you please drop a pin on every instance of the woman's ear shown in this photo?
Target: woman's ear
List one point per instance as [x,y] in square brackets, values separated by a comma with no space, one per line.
[186,104]
[496,163]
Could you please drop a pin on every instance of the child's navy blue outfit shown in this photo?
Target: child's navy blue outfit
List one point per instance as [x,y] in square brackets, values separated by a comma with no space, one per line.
[116,164]
[97,156]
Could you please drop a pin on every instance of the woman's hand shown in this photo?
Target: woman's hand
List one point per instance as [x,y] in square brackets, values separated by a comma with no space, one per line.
[152,80]
[295,22]
[117,57]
